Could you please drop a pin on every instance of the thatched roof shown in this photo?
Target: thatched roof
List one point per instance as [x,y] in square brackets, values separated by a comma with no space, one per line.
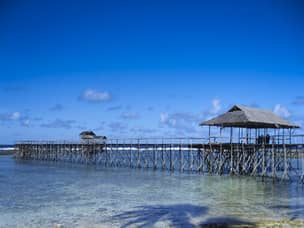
[87,135]
[248,117]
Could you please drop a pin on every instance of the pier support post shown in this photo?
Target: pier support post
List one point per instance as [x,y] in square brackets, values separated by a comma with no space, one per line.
[171,159]
[191,156]
[163,162]
[220,170]
[255,161]
[211,157]
[231,159]
[231,151]
[220,167]
[302,177]
[154,156]
[138,154]
[273,159]
[117,154]
[181,156]
[263,160]
[285,173]
[131,154]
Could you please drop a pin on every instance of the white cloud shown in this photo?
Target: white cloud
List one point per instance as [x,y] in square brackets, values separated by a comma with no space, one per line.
[281,111]
[181,121]
[216,106]
[164,117]
[26,123]
[14,116]
[186,122]
[92,95]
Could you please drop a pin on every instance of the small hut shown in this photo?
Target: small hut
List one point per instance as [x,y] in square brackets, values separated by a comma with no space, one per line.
[87,135]
[100,137]
[90,136]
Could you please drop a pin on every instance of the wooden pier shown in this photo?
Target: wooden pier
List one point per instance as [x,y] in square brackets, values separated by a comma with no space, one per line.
[247,141]
[206,156]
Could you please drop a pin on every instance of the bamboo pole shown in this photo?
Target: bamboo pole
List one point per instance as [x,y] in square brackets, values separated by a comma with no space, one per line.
[221,153]
[181,156]
[231,152]
[273,159]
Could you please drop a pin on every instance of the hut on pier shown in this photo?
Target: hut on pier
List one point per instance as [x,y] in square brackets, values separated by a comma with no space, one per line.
[85,135]
[89,136]
[253,125]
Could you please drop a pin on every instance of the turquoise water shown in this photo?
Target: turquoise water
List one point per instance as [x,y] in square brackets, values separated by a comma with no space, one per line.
[44,194]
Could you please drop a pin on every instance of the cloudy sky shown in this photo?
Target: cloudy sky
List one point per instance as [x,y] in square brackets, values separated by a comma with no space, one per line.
[145,68]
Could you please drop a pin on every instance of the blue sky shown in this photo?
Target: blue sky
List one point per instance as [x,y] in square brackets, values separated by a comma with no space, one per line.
[145,68]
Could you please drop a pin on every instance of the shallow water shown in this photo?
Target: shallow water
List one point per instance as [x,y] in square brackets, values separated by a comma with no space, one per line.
[36,194]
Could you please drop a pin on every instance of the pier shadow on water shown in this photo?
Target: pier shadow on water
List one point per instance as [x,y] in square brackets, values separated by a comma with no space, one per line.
[179,215]
[148,216]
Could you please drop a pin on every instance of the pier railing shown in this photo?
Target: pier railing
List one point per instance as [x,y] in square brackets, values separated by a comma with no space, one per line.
[277,139]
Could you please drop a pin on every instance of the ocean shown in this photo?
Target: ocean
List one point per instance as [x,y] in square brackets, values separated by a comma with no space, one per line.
[43,194]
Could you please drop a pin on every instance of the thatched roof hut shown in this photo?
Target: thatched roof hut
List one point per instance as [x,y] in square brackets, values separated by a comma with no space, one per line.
[247,117]
[87,135]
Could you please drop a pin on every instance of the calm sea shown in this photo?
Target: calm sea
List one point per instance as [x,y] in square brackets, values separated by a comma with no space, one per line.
[44,194]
